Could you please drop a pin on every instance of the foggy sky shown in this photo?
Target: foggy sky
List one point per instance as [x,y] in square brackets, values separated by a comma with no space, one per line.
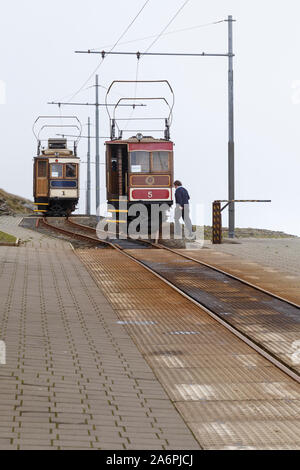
[38,64]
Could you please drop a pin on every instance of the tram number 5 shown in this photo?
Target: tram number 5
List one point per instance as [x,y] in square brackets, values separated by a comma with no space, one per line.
[150,195]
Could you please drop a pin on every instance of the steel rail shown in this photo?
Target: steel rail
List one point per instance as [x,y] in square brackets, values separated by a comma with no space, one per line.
[88,238]
[114,245]
[87,228]
[232,276]
[74,234]
[207,265]
[242,336]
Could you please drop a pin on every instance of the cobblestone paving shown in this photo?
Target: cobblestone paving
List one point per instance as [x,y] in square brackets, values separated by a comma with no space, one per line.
[74,379]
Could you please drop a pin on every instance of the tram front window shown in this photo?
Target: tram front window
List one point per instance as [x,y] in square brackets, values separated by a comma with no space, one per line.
[70,170]
[160,161]
[56,170]
[140,162]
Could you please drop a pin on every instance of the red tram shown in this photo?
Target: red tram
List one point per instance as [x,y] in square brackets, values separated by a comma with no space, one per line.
[139,169]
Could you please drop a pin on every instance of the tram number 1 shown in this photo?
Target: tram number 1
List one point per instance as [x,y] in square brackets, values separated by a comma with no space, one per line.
[150,195]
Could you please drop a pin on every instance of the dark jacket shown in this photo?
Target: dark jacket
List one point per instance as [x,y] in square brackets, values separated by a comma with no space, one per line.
[181,196]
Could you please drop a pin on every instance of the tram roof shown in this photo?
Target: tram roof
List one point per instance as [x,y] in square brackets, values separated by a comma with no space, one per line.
[135,140]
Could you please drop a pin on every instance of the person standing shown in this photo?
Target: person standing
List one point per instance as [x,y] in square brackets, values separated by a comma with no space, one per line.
[182,209]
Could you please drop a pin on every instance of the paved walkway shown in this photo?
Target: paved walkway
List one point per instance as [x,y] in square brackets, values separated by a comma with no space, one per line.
[282,254]
[74,378]
[32,238]
[273,265]
[230,396]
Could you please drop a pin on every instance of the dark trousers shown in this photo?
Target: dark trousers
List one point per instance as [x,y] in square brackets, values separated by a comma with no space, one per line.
[185,214]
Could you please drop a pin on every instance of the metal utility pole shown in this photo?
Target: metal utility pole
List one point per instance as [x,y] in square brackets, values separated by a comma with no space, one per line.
[230,55]
[88,177]
[231,195]
[97,136]
[97,153]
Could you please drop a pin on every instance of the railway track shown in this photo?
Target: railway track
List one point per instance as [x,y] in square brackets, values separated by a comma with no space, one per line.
[202,263]
[93,239]
[121,244]
[72,234]
[226,298]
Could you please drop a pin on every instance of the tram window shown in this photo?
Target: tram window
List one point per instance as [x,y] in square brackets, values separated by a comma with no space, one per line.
[70,170]
[160,161]
[140,162]
[56,170]
[42,169]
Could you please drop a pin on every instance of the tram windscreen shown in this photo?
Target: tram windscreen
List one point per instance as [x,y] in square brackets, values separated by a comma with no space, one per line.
[70,170]
[56,170]
[160,161]
[140,162]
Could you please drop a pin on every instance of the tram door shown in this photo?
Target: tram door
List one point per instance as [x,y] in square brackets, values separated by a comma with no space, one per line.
[41,178]
[113,183]
[118,169]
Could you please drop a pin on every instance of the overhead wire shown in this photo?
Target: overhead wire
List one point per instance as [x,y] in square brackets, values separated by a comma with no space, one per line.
[115,44]
[164,34]
[152,44]
[135,92]
[166,27]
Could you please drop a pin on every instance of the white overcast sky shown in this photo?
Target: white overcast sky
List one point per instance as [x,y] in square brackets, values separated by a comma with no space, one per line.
[38,64]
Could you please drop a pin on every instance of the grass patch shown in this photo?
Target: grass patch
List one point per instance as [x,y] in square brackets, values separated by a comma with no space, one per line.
[16,204]
[6,238]
[248,233]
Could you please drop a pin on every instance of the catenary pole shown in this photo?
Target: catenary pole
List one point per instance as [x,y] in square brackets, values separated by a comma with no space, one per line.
[97,138]
[231,182]
[230,55]
[97,153]
[88,177]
